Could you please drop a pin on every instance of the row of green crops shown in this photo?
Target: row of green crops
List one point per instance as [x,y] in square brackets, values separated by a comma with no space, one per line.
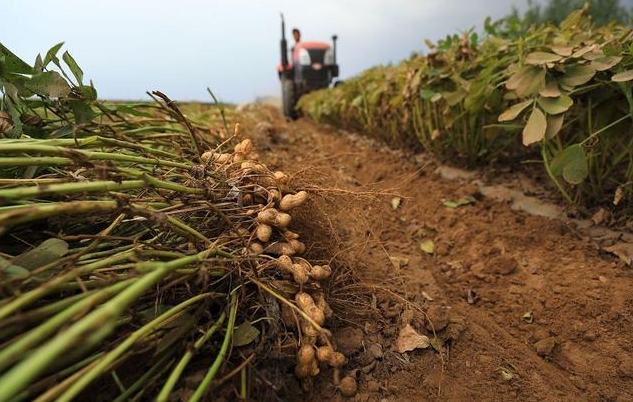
[562,94]
[125,265]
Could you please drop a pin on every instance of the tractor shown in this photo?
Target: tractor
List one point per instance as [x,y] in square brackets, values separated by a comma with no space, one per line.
[313,66]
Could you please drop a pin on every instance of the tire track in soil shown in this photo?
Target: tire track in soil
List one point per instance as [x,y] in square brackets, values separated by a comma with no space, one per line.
[576,348]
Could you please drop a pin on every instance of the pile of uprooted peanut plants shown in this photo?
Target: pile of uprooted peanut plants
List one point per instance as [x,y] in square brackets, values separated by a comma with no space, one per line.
[143,255]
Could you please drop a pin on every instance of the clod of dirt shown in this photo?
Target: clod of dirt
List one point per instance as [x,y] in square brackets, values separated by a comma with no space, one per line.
[375,350]
[589,336]
[544,347]
[625,368]
[502,265]
[438,317]
[348,386]
[349,340]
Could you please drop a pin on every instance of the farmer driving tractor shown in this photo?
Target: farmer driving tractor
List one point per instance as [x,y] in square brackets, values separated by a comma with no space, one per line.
[310,66]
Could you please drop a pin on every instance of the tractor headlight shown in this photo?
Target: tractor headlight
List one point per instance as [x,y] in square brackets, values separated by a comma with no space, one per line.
[304,57]
[328,58]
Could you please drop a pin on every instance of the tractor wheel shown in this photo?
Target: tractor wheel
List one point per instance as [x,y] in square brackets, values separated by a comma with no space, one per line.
[288,98]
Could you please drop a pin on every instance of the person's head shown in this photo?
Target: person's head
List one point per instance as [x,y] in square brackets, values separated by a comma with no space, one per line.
[296,34]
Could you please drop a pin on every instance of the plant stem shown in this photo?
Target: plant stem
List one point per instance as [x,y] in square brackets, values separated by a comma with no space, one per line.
[93,186]
[13,351]
[129,341]
[159,366]
[28,213]
[177,372]
[104,318]
[82,155]
[228,336]
[553,177]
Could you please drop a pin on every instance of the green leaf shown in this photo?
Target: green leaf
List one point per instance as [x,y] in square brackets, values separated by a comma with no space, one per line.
[177,329]
[623,76]
[453,98]
[428,246]
[513,111]
[12,270]
[573,19]
[540,58]
[10,64]
[82,111]
[88,92]
[571,163]
[74,67]
[605,63]
[49,251]
[124,109]
[51,55]
[38,66]
[534,130]
[48,83]
[577,75]
[527,81]
[555,105]
[554,124]
[357,101]
[551,90]
[427,94]
[244,334]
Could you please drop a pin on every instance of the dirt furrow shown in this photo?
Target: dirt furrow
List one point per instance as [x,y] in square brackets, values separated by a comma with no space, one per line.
[527,307]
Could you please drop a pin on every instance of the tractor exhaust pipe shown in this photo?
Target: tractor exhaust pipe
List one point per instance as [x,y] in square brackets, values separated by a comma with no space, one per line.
[334,38]
[284,44]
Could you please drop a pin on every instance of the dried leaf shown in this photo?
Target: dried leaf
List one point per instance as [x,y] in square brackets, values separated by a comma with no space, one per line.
[623,76]
[619,194]
[409,340]
[605,63]
[527,81]
[583,50]
[428,246]
[577,75]
[528,317]
[244,334]
[562,50]
[534,130]
[539,58]
[506,374]
[395,202]
[399,262]
[513,111]
[554,124]
[465,200]
[624,251]
[551,90]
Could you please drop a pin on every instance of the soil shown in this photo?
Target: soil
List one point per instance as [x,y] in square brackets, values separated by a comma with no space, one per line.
[516,306]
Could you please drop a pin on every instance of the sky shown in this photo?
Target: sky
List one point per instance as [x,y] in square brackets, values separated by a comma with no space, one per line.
[181,47]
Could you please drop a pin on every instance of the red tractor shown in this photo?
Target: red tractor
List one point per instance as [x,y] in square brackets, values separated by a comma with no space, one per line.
[313,66]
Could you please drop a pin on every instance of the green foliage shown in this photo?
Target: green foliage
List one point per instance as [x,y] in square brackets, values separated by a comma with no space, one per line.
[602,12]
[564,89]
[30,92]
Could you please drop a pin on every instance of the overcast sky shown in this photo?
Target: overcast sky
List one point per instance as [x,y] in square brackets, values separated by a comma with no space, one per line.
[181,47]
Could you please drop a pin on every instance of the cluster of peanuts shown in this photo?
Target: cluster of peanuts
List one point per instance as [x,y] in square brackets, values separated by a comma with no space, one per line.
[270,236]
